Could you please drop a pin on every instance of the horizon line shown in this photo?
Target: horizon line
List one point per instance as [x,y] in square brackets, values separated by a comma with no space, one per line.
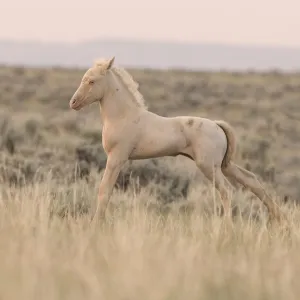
[150,41]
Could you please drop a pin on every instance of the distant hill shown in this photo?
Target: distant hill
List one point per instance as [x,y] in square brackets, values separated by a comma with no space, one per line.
[150,55]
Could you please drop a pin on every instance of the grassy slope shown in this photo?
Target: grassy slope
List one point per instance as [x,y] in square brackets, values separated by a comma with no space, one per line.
[148,248]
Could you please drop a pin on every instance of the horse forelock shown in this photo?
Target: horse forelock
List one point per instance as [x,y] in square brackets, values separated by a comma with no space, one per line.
[100,65]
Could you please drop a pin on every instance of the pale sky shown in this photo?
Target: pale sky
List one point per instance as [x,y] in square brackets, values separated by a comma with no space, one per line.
[266,22]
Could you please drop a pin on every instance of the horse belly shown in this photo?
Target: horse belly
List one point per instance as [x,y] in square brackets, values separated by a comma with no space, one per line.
[161,144]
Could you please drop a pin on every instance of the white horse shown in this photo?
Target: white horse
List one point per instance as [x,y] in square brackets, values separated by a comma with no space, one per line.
[132,132]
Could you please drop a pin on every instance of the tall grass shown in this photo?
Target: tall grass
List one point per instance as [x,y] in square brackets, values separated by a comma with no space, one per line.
[50,250]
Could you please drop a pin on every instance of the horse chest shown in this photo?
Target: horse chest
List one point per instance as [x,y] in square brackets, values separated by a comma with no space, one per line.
[110,137]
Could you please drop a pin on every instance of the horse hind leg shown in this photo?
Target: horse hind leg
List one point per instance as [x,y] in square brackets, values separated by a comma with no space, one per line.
[250,181]
[224,187]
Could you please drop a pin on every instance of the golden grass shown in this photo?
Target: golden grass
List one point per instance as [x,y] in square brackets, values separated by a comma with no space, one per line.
[140,252]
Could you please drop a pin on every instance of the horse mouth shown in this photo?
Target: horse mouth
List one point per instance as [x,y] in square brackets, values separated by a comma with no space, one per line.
[77,107]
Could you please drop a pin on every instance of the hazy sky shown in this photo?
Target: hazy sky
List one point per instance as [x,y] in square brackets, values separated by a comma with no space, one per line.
[230,21]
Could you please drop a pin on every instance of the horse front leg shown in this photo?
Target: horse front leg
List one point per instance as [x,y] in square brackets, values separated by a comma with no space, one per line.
[114,164]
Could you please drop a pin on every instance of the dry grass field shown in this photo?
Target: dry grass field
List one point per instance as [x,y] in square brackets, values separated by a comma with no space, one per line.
[163,238]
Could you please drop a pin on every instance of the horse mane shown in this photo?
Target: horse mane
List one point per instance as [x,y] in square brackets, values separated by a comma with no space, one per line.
[131,85]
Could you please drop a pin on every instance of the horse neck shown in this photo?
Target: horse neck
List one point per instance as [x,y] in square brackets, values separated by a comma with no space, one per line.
[117,103]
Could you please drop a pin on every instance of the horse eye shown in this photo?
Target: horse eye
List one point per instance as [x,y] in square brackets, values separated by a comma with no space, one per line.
[91,82]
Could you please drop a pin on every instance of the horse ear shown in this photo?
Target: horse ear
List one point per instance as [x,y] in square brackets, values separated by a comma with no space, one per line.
[110,63]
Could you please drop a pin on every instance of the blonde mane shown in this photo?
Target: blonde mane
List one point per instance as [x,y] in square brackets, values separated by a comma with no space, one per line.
[131,85]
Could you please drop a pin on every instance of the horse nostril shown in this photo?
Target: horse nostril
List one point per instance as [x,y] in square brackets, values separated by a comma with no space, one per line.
[72,102]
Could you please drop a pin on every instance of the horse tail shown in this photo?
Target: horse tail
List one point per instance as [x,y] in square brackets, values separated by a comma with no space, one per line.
[231,142]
